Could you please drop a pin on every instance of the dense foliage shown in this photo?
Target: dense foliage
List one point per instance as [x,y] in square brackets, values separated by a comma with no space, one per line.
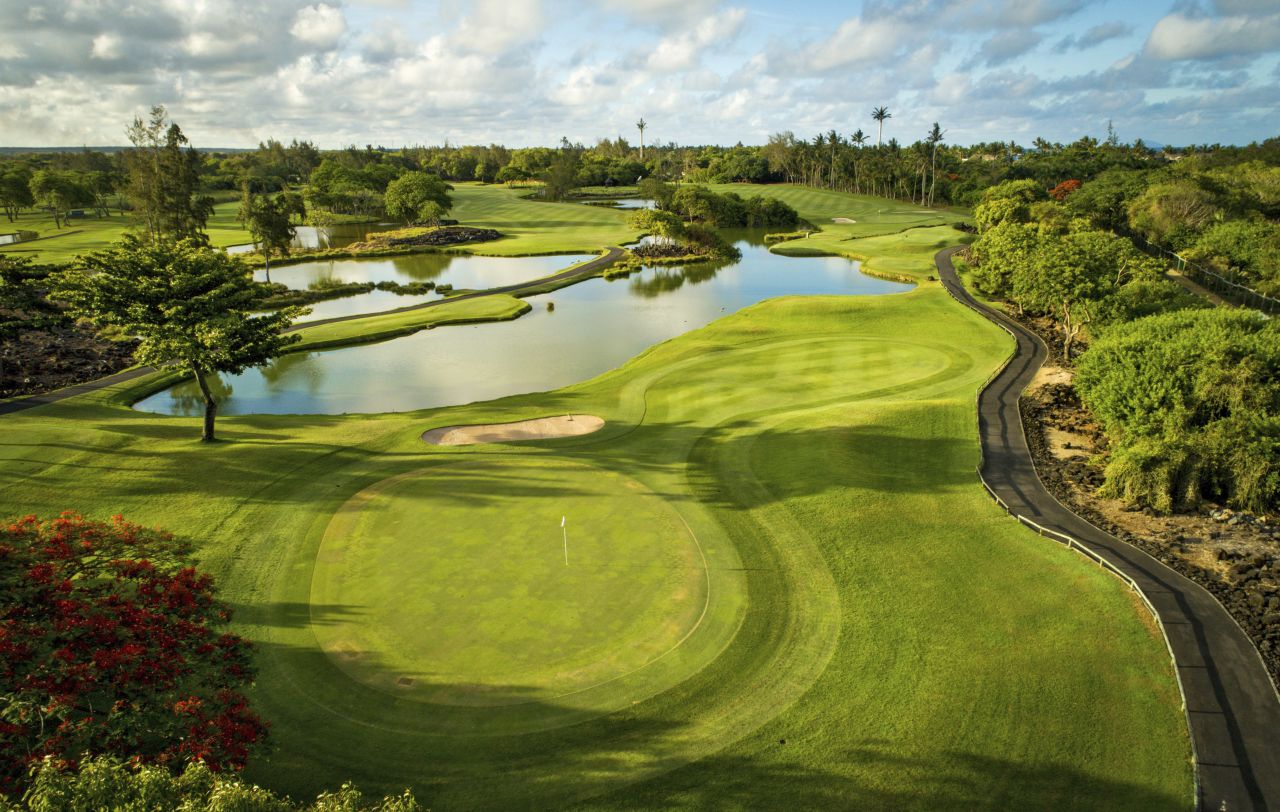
[1033,252]
[730,210]
[1191,402]
[418,197]
[109,644]
[186,303]
[102,783]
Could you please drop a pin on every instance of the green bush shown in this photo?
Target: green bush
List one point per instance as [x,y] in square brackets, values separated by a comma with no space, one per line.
[111,784]
[1191,403]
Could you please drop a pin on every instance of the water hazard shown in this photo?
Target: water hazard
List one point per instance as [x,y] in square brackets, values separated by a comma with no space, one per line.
[595,326]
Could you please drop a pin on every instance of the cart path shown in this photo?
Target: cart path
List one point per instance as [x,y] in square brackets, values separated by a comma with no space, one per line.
[1232,706]
[574,274]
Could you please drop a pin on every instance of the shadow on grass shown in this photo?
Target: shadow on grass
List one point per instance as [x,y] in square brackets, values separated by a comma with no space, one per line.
[513,748]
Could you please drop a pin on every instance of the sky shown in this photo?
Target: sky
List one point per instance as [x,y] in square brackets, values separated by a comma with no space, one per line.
[528,72]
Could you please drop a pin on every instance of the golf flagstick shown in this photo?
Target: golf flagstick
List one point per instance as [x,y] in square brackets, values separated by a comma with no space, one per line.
[566,541]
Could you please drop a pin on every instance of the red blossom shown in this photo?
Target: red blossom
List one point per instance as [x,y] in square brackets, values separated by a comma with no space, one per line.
[106,631]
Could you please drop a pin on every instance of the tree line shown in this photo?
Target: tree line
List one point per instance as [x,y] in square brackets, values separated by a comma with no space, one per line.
[1188,395]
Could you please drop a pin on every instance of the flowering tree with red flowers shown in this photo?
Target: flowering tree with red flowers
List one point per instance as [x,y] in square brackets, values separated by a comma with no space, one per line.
[1064,190]
[110,645]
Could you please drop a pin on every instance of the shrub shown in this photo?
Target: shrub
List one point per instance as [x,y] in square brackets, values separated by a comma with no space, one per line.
[1191,403]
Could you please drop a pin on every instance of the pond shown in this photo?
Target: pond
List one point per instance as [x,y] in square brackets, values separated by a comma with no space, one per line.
[463,271]
[596,325]
[623,203]
[314,238]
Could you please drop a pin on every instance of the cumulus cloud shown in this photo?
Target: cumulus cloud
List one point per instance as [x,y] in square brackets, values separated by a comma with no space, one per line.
[683,51]
[321,25]
[1181,36]
[234,72]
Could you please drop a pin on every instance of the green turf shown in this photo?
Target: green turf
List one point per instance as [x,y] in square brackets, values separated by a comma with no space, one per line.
[870,215]
[94,233]
[493,598]
[877,633]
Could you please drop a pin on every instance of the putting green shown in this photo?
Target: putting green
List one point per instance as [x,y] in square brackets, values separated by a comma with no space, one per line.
[452,598]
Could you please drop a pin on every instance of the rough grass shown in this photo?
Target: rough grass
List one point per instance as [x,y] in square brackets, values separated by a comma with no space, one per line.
[93,233]
[886,639]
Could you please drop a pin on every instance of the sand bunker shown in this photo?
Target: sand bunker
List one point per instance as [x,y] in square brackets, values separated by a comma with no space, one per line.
[540,428]
[842,220]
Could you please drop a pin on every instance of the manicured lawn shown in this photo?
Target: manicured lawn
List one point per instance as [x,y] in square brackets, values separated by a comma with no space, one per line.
[94,233]
[536,227]
[870,215]
[786,587]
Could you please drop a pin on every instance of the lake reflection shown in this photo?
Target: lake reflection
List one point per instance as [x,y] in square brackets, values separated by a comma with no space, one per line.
[596,326]
[463,271]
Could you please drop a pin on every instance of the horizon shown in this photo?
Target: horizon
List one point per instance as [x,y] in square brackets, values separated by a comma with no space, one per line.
[701,72]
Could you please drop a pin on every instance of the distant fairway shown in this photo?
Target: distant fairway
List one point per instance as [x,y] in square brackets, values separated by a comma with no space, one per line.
[59,245]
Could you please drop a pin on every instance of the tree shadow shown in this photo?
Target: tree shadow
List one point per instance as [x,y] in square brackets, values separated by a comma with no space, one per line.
[513,748]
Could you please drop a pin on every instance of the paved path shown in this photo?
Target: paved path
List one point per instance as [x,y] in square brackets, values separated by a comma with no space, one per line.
[1232,705]
[576,273]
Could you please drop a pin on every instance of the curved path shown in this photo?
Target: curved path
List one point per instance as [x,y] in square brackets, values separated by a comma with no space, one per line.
[1232,706]
[575,274]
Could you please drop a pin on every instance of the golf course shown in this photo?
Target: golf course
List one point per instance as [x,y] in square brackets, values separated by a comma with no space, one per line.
[771,578]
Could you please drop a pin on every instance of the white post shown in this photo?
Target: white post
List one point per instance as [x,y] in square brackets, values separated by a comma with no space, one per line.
[565,533]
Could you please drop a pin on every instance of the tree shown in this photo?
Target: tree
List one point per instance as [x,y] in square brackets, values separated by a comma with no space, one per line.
[59,192]
[879,115]
[561,177]
[186,303]
[934,139]
[1069,275]
[666,226]
[418,197]
[659,191]
[268,221]
[1175,212]
[640,125]
[164,179]
[1191,403]
[111,645]
[15,191]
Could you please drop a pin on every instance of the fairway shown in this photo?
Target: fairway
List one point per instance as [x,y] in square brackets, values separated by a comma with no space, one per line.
[786,587]
[493,607]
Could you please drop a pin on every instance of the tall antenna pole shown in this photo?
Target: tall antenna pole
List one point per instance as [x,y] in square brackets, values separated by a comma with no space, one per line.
[641,124]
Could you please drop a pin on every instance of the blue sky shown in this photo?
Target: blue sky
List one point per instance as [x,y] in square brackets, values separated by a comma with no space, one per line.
[525,72]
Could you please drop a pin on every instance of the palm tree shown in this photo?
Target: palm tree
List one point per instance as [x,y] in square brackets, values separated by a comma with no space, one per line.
[641,124]
[833,138]
[880,114]
[857,139]
[935,138]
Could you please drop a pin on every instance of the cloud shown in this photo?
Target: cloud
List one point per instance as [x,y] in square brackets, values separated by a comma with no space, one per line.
[859,41]
[683,51]
[1006,46]
[321,25]
[665,14]
[1093,37]
[234,72]
[1180,36]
